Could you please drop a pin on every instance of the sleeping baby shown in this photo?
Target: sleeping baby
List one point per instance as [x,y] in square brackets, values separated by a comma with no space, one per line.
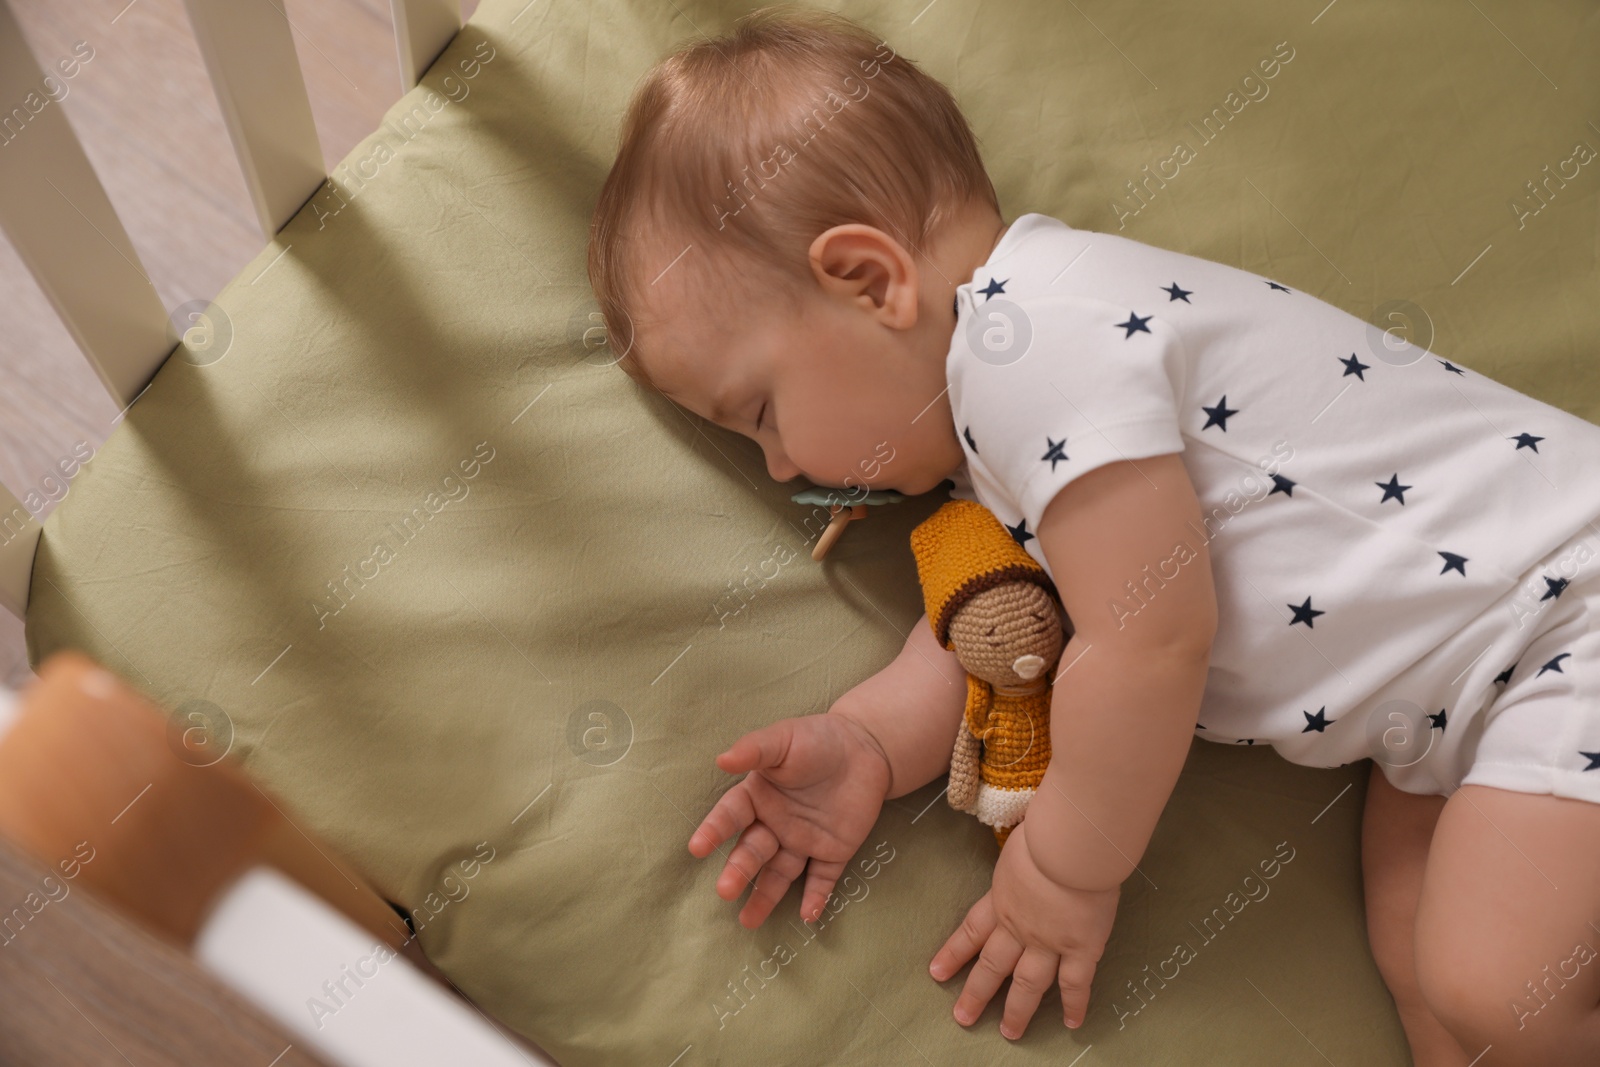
[1269,524]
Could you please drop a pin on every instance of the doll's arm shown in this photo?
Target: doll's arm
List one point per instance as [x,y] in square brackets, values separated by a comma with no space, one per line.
[911,709]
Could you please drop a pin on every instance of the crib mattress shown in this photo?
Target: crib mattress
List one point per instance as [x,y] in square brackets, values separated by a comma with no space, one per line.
[455,588]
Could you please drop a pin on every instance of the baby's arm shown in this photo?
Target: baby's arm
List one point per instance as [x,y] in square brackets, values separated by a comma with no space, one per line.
[1128,689]
[1122,717]
[813,785]
[911,710]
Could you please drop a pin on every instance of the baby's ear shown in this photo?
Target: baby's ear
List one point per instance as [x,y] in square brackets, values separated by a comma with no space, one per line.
[860,263]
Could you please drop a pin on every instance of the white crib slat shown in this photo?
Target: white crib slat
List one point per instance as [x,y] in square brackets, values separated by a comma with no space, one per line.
[249,53]
[55,211]
[19,537]
[422,28]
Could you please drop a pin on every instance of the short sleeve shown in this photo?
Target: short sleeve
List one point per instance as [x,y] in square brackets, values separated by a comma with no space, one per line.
[1094,383]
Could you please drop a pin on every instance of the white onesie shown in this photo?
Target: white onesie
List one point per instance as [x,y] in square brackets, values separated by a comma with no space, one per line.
[1390,532]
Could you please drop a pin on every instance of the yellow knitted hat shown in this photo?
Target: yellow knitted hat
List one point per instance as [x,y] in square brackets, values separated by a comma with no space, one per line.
[962,549]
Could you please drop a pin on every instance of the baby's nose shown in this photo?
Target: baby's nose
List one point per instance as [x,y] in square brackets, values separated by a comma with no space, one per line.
[780,466]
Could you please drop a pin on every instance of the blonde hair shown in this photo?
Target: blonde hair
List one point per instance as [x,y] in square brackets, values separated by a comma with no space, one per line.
[755,142]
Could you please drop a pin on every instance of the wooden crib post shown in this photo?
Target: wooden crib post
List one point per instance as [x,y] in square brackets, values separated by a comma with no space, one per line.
[55,211]
[422,28]
[249,54]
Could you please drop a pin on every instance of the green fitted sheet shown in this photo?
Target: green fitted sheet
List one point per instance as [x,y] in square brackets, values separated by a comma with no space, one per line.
[543,654]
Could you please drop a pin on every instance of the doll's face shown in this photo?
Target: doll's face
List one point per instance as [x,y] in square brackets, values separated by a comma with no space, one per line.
[1010,635]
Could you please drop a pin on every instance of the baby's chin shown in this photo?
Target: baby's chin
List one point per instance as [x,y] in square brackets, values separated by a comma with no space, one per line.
[916,486]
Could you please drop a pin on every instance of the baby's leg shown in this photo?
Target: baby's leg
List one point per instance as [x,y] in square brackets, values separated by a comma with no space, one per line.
[1395,830]
[1505,938]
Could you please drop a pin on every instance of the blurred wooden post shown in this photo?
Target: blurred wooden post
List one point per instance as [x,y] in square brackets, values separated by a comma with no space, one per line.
[93,768]
[85,987]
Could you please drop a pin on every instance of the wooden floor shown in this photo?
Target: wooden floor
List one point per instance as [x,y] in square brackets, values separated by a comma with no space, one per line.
[150,123]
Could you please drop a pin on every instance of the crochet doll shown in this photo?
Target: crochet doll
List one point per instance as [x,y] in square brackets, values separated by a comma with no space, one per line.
[995,607]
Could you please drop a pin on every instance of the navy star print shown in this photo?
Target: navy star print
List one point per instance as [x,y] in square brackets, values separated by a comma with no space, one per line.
[1393,488]
[1055,454]
[1304,613]
[1318,722]
[1134,325]
[1526,440]
[1218,416]
[1149,399]
[1554,664]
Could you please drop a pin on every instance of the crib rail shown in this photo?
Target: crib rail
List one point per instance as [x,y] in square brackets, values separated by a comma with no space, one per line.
[65,230]
[421,30]
[249,54]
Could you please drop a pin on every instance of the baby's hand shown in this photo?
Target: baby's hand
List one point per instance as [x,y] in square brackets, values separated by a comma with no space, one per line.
[1033,929]
[813,792]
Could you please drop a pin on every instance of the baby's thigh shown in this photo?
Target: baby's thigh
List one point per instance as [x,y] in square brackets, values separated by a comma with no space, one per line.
[1505,949]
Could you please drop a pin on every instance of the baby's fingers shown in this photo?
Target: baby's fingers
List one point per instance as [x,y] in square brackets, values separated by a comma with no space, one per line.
[771,886]
[756,846]
[758,749]
[820,880]
[727,818]
[997,960]
[1075,975]
[1032,978]
[969,938]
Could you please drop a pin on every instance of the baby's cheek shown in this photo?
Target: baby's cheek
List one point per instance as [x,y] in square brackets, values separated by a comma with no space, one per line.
[849,431]
[830,456]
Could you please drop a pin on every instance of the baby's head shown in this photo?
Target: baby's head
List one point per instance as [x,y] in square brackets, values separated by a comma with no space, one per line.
[778,243]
